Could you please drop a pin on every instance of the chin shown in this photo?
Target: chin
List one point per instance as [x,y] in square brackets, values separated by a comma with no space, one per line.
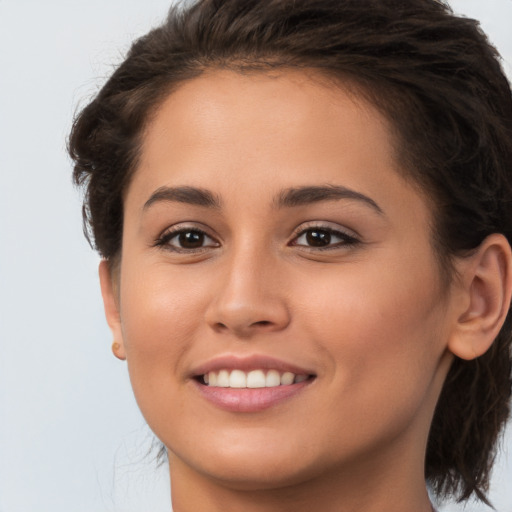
[249,469]
[260,476]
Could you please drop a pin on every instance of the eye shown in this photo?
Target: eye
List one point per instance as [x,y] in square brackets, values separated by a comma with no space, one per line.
[323,238]
[186,240]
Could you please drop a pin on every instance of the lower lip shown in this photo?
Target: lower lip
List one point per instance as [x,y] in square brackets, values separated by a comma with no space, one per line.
[250,399]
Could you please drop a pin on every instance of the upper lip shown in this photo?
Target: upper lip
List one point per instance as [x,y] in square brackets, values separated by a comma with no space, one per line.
[248,363]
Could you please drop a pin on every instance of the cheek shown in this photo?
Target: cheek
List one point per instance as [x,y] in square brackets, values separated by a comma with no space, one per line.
[381,332]
[379,306]
[161,314]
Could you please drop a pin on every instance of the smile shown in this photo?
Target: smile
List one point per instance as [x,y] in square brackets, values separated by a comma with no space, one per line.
[253,379]
[250,384]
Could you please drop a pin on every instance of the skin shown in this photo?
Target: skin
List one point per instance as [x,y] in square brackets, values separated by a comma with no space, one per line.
[371,319]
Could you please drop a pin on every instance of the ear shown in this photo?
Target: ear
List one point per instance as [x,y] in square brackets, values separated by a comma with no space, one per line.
[486,281]
[111,305]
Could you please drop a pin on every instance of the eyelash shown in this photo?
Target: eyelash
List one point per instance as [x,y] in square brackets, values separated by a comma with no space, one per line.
[164,240]
[346,240]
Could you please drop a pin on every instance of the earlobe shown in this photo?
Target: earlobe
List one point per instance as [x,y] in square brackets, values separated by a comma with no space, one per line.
[111,306]
[486,279]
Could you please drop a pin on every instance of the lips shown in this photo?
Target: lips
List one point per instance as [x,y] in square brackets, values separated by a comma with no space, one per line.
[249,384]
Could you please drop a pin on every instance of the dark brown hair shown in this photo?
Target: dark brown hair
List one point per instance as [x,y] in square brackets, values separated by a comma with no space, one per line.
[438,81]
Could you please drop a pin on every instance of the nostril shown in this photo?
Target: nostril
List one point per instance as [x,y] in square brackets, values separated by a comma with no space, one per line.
[263,323]
[245,319]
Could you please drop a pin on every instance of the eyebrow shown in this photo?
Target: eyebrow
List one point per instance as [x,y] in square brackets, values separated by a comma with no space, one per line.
[313,194]
[188,195]
[288,198]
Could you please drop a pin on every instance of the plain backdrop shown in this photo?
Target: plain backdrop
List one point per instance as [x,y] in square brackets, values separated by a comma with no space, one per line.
[71,437]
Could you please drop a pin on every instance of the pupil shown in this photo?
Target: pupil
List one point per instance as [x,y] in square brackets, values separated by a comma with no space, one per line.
[191,239]
[318,238]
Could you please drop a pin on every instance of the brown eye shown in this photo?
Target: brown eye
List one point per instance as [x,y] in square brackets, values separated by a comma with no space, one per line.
[190,239]
[184,240]
[318,238]
[323,238]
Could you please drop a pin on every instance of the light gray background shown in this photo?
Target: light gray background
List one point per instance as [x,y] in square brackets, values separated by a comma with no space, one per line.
[71,437]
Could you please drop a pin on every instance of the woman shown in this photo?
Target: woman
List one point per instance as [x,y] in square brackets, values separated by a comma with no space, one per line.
[303,209]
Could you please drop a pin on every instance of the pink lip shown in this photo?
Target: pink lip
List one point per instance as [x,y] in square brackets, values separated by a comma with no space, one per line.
[249,400]
[248,363]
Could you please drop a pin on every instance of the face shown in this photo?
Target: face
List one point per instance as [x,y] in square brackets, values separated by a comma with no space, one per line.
[278,293]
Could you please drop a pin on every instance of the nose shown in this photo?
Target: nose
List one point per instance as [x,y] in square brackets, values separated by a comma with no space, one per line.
[250,297]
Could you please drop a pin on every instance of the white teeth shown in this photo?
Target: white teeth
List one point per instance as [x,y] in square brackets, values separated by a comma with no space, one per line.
[287,378]
[252,379]
[237,379]
[272,379]
[256,379]
[223,379]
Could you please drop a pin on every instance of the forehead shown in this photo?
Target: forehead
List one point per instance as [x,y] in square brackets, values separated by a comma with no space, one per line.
[223,112]
[261,132]
[205,105]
